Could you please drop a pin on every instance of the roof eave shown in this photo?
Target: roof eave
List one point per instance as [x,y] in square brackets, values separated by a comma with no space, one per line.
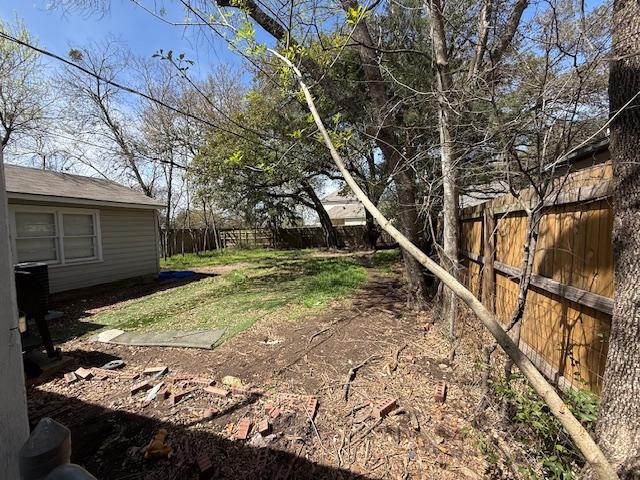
[80,201]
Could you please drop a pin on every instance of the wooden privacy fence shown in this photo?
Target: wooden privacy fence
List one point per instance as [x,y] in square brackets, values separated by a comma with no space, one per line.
[178,241]
[567,318]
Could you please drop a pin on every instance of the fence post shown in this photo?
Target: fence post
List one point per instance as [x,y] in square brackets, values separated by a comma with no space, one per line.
[488,257]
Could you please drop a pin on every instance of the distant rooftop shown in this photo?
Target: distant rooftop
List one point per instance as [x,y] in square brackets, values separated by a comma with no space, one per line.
[350,211]
[337,196]
[34,184]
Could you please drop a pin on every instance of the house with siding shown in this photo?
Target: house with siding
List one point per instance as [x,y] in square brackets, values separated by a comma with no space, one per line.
[344,209]
[88,230]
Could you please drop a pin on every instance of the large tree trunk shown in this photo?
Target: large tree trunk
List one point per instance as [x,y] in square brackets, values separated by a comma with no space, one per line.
[618,427]
[448,160]
[330,234]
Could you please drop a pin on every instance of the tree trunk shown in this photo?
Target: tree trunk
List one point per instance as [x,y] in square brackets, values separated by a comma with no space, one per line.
[448,160]
[618,426]
[372,233]
[331,237]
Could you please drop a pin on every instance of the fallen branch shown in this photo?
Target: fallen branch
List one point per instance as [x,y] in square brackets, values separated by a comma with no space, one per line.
[352,373]
[558,408]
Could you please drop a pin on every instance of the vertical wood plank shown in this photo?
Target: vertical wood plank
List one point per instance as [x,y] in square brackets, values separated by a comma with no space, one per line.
[488,256]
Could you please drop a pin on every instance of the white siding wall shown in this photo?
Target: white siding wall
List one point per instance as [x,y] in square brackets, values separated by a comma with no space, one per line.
[129,249]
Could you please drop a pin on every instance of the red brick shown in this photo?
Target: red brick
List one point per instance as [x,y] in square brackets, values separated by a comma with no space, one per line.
[264,428]
[210,413]
[275,412]
[203,381]
[156,370]
[70,377]
[218,392]
[440,392]
[311,406]
[84,373]
[386,407]
[239,390]
[243,428]
[205,467]
[139,387]
[179,395]
[269,406]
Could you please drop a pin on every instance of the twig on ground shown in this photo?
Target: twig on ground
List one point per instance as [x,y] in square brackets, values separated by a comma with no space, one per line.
[396,358]
[352,373]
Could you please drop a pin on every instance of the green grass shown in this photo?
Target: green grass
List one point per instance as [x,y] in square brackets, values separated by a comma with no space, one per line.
[226,257]
[385,259]
[276,284]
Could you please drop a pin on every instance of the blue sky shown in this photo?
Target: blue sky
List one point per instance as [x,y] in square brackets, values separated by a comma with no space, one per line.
[126,22]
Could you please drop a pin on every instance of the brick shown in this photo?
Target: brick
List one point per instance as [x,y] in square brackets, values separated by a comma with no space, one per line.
[385,407]
[243,428]
[218,392]
[205,467]
[264,428]
[140,387]
[210,413]
[239,390]
[179,395]
[269,406]
[84,373]
[311,406]
[161,370]
[275,412]
[70,377]
[440,392]
[203,381]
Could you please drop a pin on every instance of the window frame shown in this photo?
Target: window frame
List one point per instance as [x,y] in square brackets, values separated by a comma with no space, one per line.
[58,214]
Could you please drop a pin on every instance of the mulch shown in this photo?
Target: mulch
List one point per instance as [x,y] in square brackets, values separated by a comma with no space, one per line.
[293,375]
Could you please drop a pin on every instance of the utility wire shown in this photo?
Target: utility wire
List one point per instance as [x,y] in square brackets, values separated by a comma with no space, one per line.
[128,89]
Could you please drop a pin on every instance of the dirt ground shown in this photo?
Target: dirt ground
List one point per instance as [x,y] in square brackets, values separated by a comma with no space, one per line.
[284,366]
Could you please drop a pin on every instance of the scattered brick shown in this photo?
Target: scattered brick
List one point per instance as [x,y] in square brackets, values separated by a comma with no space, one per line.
[269,406]
[275,412]
[162,370]
[165,392]
[264,428]
[179,395]
[203,381]
[210,413]
[70,377]
[311,406]
[205,467]
[218,392]
[242,430]
[440,392]
[386,407]
[140,387]
[239,391]
[84,373]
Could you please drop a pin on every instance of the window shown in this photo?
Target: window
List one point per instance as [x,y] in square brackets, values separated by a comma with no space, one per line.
[56,236]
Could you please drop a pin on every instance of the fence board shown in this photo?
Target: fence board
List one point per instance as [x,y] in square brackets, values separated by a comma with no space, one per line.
[568,312]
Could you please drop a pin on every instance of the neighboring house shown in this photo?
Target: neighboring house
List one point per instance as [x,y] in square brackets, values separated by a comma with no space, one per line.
[88,230]
[344,209]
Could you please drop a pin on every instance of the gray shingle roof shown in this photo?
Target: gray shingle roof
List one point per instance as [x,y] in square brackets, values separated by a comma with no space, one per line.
[337,197]
[31,182]
[350,211]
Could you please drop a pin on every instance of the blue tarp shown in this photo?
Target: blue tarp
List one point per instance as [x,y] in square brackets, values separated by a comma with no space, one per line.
[169,274]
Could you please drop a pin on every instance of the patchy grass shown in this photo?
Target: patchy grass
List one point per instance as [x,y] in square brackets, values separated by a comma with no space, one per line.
[385,259]
[286,285]
[226,257]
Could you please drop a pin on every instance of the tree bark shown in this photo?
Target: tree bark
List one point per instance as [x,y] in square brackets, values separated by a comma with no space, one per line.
[618,426]
[331,237]
[448,160]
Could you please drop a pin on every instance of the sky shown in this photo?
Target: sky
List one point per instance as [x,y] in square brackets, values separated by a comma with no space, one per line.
[127,23]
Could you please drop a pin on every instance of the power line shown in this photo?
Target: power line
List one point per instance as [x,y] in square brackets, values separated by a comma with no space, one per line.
[128,89]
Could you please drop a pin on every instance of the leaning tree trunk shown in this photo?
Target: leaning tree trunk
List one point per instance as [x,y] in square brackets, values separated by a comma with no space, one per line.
[618,426]
[330,234]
